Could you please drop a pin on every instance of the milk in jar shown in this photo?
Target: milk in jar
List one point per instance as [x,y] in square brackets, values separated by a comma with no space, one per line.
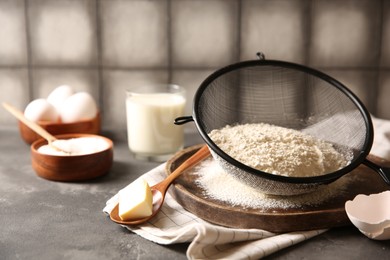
[150,124]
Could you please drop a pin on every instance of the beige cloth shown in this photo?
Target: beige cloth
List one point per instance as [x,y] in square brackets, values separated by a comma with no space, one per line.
[208,241]
[381,144]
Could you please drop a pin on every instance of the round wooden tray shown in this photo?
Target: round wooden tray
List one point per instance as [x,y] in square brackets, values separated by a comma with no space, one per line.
[328,214]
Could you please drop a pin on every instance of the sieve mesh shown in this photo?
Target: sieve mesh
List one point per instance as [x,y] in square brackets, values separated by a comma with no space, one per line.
[287,95]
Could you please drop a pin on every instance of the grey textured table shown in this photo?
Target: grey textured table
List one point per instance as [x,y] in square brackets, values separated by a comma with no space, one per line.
[41,219]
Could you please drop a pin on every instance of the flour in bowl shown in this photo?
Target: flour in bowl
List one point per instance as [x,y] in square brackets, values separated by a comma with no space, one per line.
[278,150]
[74,146]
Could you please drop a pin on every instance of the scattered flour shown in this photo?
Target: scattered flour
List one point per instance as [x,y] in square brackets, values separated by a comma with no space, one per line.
[221,186]
[278,150]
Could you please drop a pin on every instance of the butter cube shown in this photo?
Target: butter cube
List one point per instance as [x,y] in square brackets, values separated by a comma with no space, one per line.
[135,201]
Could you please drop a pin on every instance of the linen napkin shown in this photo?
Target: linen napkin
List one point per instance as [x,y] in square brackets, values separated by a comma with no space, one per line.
[381,144]
[209,241]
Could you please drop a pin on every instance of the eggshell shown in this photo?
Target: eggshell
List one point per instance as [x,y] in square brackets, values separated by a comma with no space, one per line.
[59,95]
[41,110]
[79,106]
[371,214]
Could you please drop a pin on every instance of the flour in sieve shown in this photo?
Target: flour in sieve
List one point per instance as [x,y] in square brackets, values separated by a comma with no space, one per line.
[278,150]
[218,185]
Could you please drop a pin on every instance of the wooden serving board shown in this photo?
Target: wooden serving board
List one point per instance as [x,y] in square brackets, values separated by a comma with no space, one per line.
[327,214]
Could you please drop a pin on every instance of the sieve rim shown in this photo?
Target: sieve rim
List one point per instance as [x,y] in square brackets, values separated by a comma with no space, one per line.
[320,179]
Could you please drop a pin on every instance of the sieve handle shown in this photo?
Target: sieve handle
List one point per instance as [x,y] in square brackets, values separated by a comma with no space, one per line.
[183,120]
[384,172]
[260,56]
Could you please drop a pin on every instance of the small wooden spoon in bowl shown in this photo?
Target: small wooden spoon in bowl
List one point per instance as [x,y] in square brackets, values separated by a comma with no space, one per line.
[35,127]
[159,190]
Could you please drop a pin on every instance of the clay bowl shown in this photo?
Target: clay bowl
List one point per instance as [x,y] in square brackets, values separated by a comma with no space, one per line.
[71,168]
[91,126]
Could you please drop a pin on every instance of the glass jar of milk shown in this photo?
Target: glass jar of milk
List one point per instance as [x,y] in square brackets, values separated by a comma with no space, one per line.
[151,111]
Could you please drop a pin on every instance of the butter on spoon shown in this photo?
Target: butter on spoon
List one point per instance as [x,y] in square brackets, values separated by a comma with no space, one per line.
[136,200]
[158,191]
[33,126]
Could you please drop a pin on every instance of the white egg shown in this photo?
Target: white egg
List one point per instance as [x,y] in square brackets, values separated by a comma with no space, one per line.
[79,106]
[41,110]
[59,95]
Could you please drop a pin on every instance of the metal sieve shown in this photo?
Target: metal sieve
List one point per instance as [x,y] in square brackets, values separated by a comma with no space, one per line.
[288,95]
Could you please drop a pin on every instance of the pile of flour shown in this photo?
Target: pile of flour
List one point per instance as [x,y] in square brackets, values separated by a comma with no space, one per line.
[219,185]
[278,150]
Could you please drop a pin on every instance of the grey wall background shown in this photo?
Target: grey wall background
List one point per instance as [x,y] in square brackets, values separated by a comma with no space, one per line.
[105,46]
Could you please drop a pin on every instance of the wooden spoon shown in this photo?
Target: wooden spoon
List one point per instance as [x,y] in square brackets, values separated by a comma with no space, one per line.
[159,190]
[33,126]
